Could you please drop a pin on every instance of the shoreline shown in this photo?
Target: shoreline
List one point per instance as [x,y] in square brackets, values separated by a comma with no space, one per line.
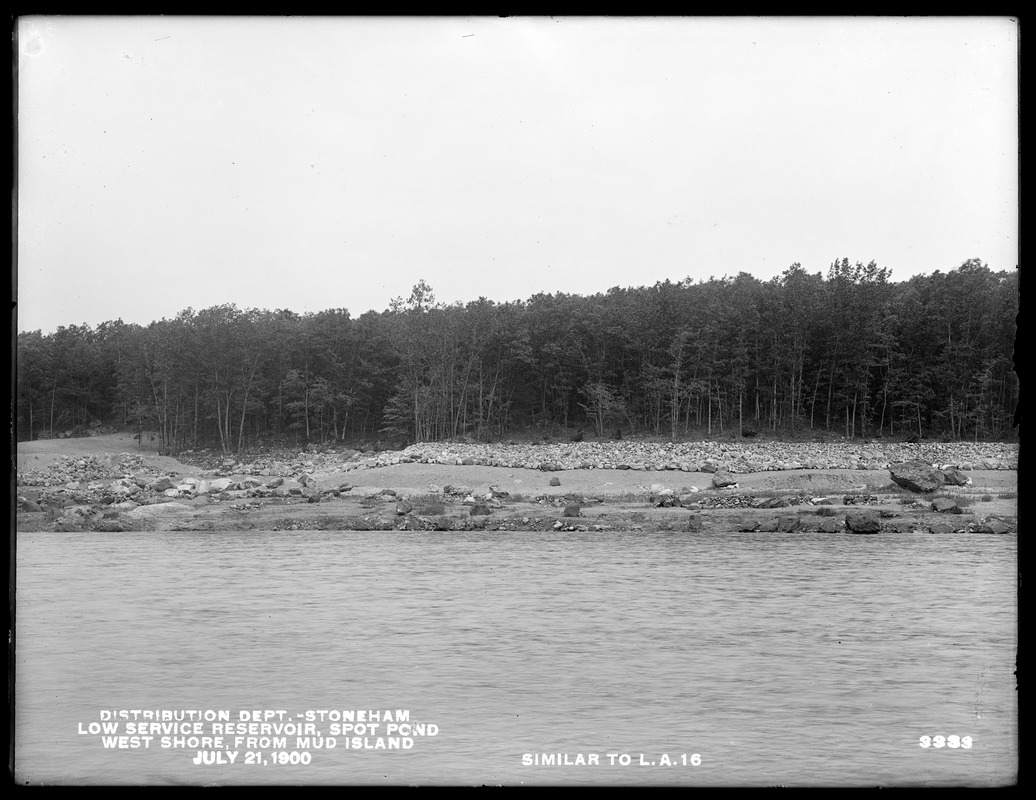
[774,487]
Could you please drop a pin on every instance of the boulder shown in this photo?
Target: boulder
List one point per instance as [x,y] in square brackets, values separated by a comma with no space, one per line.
[572,510]
[480,509]
[954,477]
[162,484]
[917,475]
[940,527]
[217,485]
[723,479]
[992,526]
[863,523]
[944,505]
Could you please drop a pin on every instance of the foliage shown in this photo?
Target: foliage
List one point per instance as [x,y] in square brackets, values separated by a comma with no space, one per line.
[852,354]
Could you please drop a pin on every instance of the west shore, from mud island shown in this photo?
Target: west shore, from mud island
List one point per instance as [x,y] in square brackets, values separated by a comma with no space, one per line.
[112,483]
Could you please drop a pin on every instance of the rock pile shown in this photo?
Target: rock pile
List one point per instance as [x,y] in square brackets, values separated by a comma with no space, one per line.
[734,458]
[730,458]
[76,469]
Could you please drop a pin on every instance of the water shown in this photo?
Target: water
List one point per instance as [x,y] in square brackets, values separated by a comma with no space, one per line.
[797,659]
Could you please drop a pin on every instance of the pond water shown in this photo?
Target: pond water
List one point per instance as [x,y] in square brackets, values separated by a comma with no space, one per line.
[793,659]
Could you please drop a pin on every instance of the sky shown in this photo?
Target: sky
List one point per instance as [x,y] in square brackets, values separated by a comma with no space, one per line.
[166,163]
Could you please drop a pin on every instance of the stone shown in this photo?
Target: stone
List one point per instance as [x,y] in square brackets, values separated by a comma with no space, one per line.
[992,526]
[954,477]
[788,523]
[480,509]
[572,510]
[944,505]
[694,523]
[162,484]
[940,527]
[723,479]
[917,476]
[555,482]
[403,508]
[829,525]
[863,523]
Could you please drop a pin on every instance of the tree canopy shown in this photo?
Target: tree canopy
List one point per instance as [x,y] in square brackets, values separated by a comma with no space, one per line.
[851,352]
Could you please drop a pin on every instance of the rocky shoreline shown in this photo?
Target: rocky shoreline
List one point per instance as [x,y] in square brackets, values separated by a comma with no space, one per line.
[302,490]
[737,458]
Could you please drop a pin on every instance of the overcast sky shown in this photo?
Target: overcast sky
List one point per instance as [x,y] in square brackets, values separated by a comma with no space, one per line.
[313,163]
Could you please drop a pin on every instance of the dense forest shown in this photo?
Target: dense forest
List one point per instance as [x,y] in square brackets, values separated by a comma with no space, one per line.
[850,353]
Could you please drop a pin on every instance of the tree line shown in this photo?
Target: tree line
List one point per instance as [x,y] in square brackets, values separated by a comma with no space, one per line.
[849,352]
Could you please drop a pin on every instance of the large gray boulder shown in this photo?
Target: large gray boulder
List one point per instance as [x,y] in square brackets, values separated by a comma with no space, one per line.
[863,523]
[161,484]
[944,505]
[721,480]
[954,477]
[917,475]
